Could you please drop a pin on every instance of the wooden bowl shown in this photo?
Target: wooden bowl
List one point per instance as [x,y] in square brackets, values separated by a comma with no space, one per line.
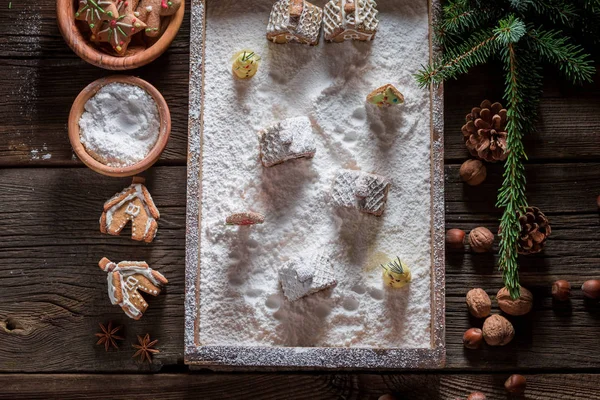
[78,108]
[79,43]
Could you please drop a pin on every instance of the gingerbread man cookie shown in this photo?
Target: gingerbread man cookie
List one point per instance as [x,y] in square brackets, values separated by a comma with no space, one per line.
[150,11]
[133,204]
[125,281]
[118,32]
[95,12]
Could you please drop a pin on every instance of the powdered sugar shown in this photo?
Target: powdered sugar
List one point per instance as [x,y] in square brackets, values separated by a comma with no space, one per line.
[120,124]
[240,299]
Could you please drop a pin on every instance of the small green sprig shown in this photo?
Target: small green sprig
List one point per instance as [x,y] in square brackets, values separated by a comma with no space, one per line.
[394,266]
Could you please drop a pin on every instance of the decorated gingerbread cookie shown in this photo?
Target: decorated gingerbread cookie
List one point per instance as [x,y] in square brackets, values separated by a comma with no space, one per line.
[385,96]
[133,204]
[245,218]
[95,12]
[126,6]
[125,281]
[118,32]
[151,11]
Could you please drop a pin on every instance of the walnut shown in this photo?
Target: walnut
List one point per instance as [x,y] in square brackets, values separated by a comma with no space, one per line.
[497,331]
[479,303]
[481,240]
[473,172]
[518,306]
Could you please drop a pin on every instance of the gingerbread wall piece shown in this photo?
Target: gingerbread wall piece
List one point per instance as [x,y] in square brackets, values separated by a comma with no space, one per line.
[118,32]
[286,140]
[125,282]
[95,12]
[360,190]
[295,21]
[134,204]
[350,20]
[306,275]
[151,12]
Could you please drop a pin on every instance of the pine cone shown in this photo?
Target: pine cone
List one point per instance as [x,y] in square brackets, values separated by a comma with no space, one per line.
[535,229]
[485,132]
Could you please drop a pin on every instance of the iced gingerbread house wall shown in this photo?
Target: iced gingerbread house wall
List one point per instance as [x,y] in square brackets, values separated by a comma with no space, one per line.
[350,20]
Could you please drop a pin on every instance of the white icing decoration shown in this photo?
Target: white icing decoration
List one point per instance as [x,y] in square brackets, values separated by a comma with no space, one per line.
[139,194]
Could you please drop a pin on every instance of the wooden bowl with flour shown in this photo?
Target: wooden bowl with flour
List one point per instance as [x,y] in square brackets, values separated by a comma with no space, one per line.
[136,56]
[124,121]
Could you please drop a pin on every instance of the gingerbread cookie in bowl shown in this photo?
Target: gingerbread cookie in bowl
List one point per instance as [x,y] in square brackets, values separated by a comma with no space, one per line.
[151,12]
[96,12]
[118,32]
[134,204]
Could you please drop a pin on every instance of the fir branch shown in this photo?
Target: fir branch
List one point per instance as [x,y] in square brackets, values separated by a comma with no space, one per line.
[571,59]
[523,89]
[564,12]
[475,51]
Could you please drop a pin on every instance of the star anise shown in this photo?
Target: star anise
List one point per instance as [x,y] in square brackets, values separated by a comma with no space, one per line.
[108,336]
[145,349]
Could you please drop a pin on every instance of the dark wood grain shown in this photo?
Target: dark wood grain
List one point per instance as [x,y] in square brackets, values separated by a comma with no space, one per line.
[53,293]
[41,77]
[292,386]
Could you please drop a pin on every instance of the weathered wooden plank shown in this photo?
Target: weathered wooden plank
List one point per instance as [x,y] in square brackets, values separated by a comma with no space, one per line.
[292,386]
[40,77]
[54,295]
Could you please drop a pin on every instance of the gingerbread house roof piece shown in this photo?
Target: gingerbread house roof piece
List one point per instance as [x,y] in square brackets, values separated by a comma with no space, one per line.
[286,140]
[360,190]
[350,20]
[306,275]
[295,21]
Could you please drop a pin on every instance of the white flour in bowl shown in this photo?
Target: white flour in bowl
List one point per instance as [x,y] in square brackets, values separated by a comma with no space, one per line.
[241,302]
[120,125]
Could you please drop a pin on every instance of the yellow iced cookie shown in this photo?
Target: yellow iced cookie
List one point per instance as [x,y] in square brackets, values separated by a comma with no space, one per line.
[396,274]
[245,64]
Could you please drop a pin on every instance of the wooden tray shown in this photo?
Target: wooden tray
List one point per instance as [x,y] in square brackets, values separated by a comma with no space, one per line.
[312,358]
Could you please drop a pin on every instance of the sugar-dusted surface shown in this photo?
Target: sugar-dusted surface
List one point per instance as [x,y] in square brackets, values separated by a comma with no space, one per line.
[240,300]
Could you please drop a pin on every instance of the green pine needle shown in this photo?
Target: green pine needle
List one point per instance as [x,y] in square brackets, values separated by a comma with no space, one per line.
[473,32]
[394,266]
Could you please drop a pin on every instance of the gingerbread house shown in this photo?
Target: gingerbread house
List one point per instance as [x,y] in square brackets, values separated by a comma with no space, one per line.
[306,275]
[360,190]
[286,140]
[125,282]
[350,20]
[295,21]
[134,204]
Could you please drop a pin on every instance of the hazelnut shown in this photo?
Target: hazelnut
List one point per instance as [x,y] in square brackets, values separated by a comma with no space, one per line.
[561,290]
[591,288]
[476,396]
[519,306]
[497,331]
[473,338]
[515,384]
[479,303]
[455,238]
[473,172]
[481,240]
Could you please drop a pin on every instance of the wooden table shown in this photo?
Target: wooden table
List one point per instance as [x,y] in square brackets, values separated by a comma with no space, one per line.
[53,295]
